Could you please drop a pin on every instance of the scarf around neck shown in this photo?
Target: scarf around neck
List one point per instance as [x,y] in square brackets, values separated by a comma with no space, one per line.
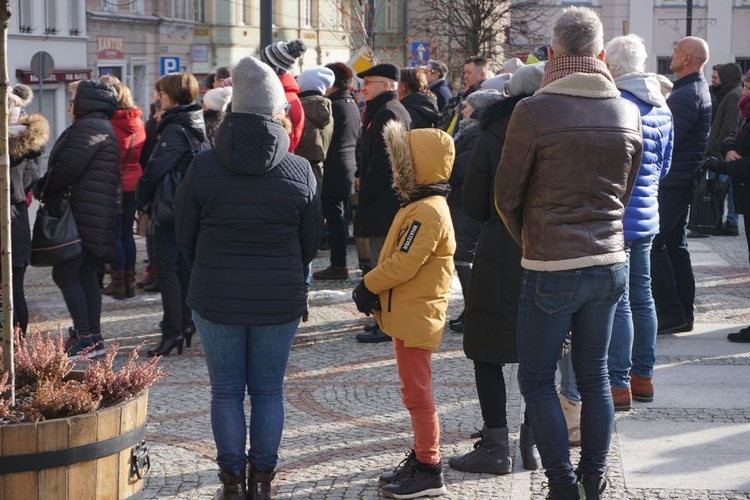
[564,65]
[422,192]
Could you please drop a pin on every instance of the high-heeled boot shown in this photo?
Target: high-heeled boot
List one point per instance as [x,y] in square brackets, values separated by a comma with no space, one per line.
[166,345]
[259,484]
[529,454]
[233,486]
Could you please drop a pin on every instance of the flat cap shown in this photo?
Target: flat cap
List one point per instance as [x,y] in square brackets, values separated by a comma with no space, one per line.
[386,70]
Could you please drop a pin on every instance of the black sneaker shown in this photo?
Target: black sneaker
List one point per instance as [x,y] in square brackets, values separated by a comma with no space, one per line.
[419,480]
[407,463]
[372,337]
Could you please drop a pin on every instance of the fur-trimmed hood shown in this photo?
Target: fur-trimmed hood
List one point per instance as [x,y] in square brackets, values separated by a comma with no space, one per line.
[420,157]
[28,137]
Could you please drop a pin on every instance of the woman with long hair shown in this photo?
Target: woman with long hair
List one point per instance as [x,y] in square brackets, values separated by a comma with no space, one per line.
[130,133]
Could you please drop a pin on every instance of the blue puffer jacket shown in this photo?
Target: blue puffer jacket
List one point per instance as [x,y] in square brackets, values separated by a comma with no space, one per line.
[641,217]
[690,104]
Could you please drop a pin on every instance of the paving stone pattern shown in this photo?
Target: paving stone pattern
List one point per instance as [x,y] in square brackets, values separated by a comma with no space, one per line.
[345,423]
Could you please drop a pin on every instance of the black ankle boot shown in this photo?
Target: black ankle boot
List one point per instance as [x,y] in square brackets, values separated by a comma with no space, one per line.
[259,484]
[566,492]
[593,485]
[233,486]
[529,454]
[490,454]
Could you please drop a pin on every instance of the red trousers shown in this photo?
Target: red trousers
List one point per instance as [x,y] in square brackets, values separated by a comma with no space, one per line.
[415,373]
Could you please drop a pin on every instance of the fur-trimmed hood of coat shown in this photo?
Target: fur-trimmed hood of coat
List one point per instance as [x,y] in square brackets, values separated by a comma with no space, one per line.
[420,157]
[28,137]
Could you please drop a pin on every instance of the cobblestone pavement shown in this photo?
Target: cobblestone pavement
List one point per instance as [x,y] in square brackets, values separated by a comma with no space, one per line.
[344,420]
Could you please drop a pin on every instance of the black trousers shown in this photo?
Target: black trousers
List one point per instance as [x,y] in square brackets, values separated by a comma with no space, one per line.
[173,273]
[76,279]
[338,229]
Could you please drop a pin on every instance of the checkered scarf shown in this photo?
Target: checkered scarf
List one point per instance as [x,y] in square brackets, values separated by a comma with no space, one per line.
[564,65]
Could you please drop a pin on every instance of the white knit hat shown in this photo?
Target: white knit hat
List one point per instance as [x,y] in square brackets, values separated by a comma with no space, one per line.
[256,88]
[218,99]
[318,79]
[282,55]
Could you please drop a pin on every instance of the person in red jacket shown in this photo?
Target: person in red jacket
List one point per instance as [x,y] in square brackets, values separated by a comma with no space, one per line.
[130,133]
[281,56]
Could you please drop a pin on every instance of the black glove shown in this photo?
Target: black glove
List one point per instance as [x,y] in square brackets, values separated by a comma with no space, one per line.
[365,300]
[711,163]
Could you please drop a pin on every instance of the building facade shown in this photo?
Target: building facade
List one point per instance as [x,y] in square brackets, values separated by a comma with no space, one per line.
[57,28]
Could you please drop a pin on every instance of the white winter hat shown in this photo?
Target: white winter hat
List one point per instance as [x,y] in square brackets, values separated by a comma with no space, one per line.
[218,99]
[318,79]
[256,88]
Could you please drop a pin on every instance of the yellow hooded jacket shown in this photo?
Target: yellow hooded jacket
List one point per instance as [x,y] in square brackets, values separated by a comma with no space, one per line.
[415,269]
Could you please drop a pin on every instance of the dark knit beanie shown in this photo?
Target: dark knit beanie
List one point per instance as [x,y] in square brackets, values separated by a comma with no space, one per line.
[281,56]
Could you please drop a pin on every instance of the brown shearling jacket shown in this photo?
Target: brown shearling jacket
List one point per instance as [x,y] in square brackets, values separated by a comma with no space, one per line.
[570,159]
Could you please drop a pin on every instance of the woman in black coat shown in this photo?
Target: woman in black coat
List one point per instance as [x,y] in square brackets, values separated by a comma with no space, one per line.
[492,302]
[27,137]
[181,135]
[84,166]
[418,101]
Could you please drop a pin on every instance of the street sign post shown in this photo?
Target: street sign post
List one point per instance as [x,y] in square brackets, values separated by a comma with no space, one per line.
[419,53]
[169,65]
[42,66]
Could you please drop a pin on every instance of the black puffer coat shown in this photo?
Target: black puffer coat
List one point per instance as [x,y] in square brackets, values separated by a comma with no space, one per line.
[467,229]
[378,202]
[248,220]
[26,142]
[492,301]
[86,161]
[180,134]
[341,161]
[739,170]
[422,108]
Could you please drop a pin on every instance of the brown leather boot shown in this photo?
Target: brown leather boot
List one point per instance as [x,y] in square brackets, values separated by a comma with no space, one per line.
[129,283]
[116,287]
[642,388]
[622,398]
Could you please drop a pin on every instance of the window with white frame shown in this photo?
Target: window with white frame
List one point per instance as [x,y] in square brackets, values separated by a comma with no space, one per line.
[50,17]
[109,5]
[180,9]
[307,13]
[243,11]
[137,6]
[74,17]
[25,17]
[199,11]
[391,15]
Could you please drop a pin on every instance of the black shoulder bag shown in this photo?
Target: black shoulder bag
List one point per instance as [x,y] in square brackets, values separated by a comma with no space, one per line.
[55,237]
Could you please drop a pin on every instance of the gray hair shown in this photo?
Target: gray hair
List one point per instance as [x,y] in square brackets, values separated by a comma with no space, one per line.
[626,54]
[578,32]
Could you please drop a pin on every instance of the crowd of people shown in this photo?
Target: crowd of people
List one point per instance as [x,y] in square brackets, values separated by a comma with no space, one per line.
[559,192]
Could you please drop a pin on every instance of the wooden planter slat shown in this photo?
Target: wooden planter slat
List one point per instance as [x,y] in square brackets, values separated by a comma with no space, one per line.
[105,478]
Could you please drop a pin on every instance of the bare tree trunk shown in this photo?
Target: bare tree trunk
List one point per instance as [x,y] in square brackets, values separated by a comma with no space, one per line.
[5,256]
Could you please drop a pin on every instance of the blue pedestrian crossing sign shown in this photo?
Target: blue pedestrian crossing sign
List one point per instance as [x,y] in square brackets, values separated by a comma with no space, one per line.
[420,53]
[169,65]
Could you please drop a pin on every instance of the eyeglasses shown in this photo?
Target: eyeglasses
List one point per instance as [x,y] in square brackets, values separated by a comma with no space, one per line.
[368,82]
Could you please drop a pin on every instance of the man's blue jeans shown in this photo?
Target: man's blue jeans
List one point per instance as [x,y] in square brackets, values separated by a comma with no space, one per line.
[251,358]
[551,303]
[633,342]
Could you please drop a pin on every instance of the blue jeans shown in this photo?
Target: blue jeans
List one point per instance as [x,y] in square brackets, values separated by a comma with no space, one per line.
[568,387]
[552,303]
[633,343]
[673,283]
[252,359]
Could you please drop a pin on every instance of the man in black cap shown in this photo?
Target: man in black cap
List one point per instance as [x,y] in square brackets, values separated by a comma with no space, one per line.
[378,202]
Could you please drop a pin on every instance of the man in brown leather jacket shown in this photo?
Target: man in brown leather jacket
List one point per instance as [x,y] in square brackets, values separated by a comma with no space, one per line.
[568,166]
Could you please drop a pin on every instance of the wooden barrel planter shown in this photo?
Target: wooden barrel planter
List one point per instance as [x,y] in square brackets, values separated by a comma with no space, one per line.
[101,455]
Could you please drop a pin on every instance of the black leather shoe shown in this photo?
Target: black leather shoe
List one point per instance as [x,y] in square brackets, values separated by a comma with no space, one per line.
[669,322]
[743,336]
[166,346]
[373,337]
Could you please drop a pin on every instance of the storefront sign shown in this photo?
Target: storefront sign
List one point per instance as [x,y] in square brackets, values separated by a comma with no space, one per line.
[110,47]
[199,53]
[57,76]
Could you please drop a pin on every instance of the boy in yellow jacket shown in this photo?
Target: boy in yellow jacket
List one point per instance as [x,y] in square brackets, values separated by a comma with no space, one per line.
[408,293]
